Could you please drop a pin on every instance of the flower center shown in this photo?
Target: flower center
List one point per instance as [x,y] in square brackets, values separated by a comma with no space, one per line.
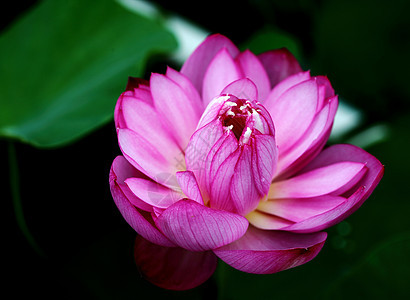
[235,116]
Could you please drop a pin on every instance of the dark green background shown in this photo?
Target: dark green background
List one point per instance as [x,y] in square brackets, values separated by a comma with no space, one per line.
[362,46]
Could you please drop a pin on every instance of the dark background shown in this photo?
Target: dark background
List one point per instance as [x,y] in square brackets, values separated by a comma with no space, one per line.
[363,46]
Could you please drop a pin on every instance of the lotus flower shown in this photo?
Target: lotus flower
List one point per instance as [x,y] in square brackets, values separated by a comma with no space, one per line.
[225,159]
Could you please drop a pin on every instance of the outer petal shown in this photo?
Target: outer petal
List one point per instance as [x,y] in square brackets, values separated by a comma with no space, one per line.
[142,118]
[311,141]
[356,196]
[189,186]
[136,219]
[255,71]
[173,268]
[221,71]
[153,193]
[317,182]
[197,64]
[267,221]
[266,252]
[188,87]
[175,109]
[279,64]
[298,209]
[199,228]
[293,112]
[284,85]
[144,156]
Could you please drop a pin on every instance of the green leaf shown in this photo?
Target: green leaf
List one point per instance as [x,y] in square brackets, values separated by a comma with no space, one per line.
[381,275]
[268,39]
[64,65]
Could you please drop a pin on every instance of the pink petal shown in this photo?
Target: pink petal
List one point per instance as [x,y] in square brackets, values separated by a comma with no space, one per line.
[252,174]
[255,71]
[188,87]
[293,112]
[244,194]
[124,170]
[279,64]
[118,116]
[283,86]
[144,156]
[221,71]
[138,220]
[197,64]
[177,112]
[266,252]
[266,221]
[189,186]
[220,184]
[142,118]
[356,196]
[264,159]
[212,110]
[317,182]
[313,139]
[329,218]
[299,209]
[198,149]
[173,268]
[242,88]
[199,228]
[141,93]
[153,193]
[324,81]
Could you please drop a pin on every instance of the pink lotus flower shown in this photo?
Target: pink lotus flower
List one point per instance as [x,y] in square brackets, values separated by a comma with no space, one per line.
[226,159]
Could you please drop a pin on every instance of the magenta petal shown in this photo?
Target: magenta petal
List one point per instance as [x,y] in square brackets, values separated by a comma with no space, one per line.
[220,184]
[196,227]
[300,209]
[173,268]
[137,114]
[244,192]
[153,193]
[144,156]
[267,221]
[312,140]
[293,112]
[131,214]
[255,71]
[283,86]
[221,71]
[175,109]
[267,252]
[243,89]
[317,182]
[190,186]
[198,149]
[187,86]
[327,219]
[197,64]
[264,159]
[356,196]
[279,64]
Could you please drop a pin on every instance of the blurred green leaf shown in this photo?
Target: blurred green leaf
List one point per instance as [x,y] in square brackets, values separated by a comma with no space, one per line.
[364,47]
[64,64]
[382,275]
[268,38]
